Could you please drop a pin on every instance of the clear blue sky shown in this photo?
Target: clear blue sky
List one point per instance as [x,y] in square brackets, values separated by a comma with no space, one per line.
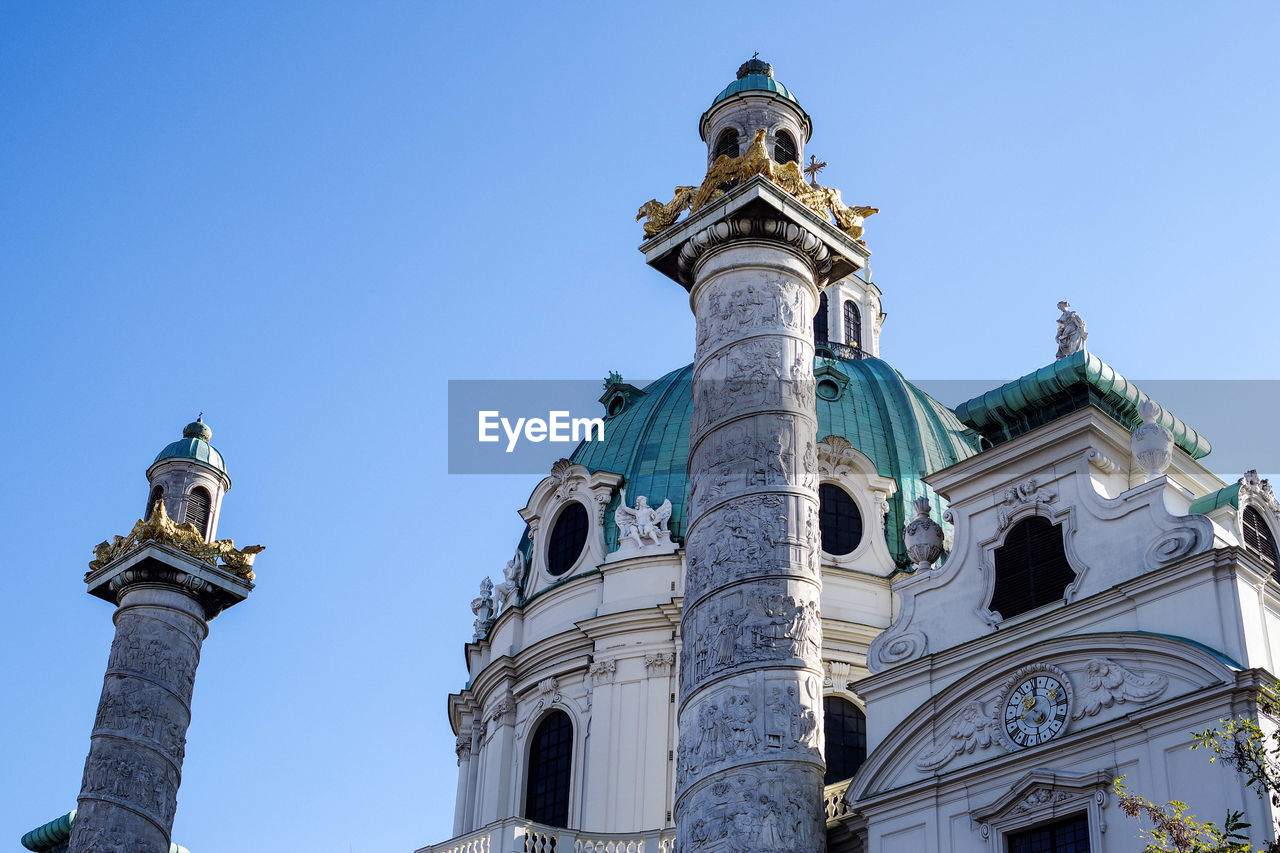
[304,218]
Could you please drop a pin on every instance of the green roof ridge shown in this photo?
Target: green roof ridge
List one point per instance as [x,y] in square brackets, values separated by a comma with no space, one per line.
[1206,504]
[1067,385]
[58,830]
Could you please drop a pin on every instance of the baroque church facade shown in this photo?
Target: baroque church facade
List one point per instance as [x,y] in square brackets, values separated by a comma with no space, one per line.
[789,602]
[793,602]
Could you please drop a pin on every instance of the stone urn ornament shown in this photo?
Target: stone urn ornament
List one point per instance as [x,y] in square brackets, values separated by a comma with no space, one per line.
[923,536]
[1151,444]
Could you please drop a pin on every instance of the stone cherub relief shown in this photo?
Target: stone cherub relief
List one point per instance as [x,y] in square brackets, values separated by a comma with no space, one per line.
[643,525]
[727,171]
[1071,332]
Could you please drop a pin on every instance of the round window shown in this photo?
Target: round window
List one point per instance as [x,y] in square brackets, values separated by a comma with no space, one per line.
[616,405]
[828,389]
[838,520]
[568,537]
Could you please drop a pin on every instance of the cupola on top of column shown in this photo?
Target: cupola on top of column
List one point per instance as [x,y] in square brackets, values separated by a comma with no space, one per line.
[754,101]
[191,478]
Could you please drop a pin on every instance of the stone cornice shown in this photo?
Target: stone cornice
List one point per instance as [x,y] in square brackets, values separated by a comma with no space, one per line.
[159,565]
[755,210]
[1178,714]
[949,665]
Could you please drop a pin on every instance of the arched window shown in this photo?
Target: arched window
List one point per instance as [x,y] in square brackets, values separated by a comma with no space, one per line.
[1031,568]
[198,504]
[838,520]
[820,332]
[568,537]
[156,494]
[784,148]
[852,324]
[546,797]
[1258,540]
[846,738]
[726,144]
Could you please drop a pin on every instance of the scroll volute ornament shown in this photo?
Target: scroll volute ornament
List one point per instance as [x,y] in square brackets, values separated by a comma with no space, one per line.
[923,536]
[727,171]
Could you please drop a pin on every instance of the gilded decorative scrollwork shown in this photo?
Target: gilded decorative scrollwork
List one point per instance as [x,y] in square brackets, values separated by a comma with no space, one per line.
[158,527]
[727,171]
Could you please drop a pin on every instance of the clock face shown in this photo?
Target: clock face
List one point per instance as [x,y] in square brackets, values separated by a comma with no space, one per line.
[1036,710]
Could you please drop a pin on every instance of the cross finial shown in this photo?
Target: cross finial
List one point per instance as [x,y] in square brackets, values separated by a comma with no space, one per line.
[755,55]
[815,166]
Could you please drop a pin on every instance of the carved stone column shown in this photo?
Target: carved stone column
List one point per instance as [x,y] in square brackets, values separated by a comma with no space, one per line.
[129,792]
[749,765]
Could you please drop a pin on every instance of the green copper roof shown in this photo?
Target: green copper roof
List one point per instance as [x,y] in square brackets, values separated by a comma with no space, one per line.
[755,83]
[1068,385]
[1214,500]
[57,832]
[902,430]
[194,444]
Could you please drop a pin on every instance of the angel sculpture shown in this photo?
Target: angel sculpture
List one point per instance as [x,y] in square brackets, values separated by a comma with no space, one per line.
[512,573]
[642,523]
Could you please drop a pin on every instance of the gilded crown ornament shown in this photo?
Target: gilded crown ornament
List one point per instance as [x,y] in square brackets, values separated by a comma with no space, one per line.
[158,527]
[726,172]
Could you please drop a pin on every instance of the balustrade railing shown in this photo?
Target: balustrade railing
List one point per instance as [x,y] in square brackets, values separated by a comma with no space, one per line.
[517,835]
[834,802]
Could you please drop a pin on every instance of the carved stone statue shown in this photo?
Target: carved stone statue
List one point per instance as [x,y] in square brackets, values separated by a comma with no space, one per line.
[644,523]
[512,574]
[158,527]
[482,607]
[643,529]
[1071,334]
[727,171]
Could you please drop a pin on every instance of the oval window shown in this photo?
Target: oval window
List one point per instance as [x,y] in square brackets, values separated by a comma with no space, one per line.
[568,537]
[838,520]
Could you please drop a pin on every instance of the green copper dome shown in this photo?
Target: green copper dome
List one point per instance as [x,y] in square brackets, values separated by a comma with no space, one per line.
[903,431]
[755,83]
[194,444]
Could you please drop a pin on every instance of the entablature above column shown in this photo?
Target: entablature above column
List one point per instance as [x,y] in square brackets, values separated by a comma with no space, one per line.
[160,565]
[757,209]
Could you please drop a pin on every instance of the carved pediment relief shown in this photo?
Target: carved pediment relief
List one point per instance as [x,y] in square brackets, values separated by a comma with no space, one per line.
[1057,692]
[1043,795]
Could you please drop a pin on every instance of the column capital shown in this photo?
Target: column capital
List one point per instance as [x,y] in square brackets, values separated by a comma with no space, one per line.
[757,209]
[155,564]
